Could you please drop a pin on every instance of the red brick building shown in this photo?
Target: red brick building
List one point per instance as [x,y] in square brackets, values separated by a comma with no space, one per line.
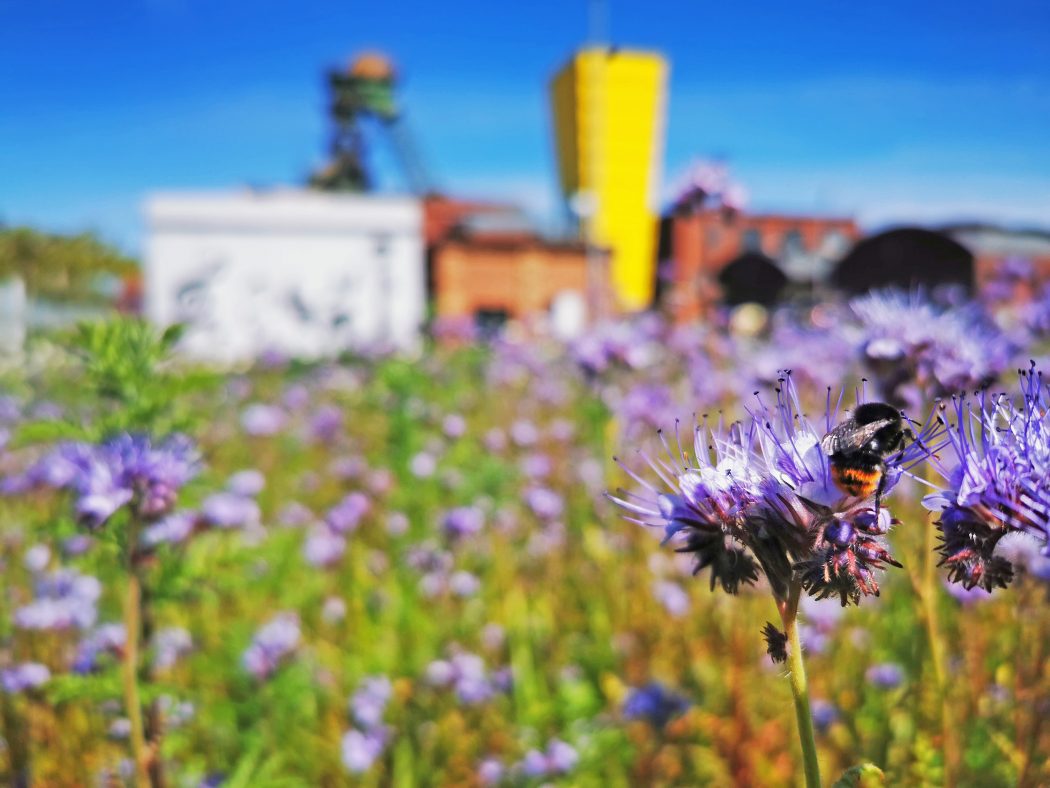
[486,265]
[697,245]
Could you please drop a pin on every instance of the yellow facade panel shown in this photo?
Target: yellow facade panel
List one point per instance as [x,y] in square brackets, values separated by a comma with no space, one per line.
[608,110]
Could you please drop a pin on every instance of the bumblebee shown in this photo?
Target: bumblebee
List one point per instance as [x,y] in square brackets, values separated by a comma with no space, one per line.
[858,447]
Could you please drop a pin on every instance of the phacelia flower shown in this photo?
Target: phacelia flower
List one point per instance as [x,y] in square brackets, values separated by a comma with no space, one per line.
[323,548]
[346,515]
[64,599]
[908,341]
[362,749]
[272,645]
[558,759]
[995,497]
[369,701]
[463,521]
[104,639]
[758,499]
[887,675]
[127,470]
[468,677]
[655,704]
[169,645]
[28,675]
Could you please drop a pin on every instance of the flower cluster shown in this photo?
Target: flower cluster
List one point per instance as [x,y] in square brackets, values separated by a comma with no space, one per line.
[655,704]
[758,500]
[914,347]
[363,745]
[468,677]
[64,599]
[558,759]
[272,645]
[995,505]
[127,470]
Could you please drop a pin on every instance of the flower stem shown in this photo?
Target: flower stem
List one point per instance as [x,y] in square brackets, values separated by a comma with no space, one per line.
[133,631]
[938,655]
[799,688]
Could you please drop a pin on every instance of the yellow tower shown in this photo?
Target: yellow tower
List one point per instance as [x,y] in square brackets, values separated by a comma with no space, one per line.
[609,109]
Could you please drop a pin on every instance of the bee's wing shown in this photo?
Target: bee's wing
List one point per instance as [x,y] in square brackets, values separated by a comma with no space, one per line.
[848,435]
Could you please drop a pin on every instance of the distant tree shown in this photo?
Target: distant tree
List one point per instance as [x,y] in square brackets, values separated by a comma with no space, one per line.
[61,267]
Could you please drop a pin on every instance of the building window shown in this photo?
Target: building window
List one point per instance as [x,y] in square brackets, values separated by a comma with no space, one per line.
[490,322]
[792,244]
[751,240]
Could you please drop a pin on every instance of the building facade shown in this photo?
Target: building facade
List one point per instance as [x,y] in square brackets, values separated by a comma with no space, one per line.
[696,246]
[293,272]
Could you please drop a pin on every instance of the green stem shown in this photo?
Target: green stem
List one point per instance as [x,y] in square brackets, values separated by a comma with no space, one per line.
[799,688]
[938,656]
[133,630]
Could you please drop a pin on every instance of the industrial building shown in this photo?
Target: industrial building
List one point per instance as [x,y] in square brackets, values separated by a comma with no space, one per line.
[295,272]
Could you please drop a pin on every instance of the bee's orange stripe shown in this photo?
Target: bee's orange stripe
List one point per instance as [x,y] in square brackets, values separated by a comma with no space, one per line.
[856,481]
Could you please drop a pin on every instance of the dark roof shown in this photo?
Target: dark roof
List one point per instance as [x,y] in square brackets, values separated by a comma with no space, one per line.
[752,277]
[905,257]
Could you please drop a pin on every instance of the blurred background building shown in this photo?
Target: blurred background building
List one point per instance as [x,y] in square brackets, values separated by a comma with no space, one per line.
[337,265]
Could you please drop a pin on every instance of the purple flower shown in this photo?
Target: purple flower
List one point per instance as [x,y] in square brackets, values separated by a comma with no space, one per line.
[260,420]
[454,426]
[323,548]
[995,499]
[361,750]
[176,528]
[346,515]
[544,503]
[524,433]
[104,639]
[906,339]
[467,676]
[247,483]
[272,645]
[169,645]
[64,599]
[464,584]
[37,558]
[423,465]
[490,772]
[672,596]
[369,702]
[125,470]
[825,714]
[463,521]
[888,675]
[655,704]
[27,675]
[326,424]
[229,510]
[759,499]
[560,758]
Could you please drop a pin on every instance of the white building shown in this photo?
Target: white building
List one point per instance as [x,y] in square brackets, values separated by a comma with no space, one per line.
[302,273]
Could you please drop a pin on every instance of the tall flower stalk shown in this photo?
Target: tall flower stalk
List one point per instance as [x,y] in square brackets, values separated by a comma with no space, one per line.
[757,499]
[124,481]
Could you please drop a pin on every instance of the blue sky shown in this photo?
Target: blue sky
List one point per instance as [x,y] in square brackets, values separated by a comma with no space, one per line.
[888,112]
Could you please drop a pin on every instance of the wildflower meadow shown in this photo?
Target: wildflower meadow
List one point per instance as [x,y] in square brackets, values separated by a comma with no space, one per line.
[620,560]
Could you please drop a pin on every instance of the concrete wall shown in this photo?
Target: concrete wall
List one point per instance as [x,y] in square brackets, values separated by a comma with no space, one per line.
[300,273]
